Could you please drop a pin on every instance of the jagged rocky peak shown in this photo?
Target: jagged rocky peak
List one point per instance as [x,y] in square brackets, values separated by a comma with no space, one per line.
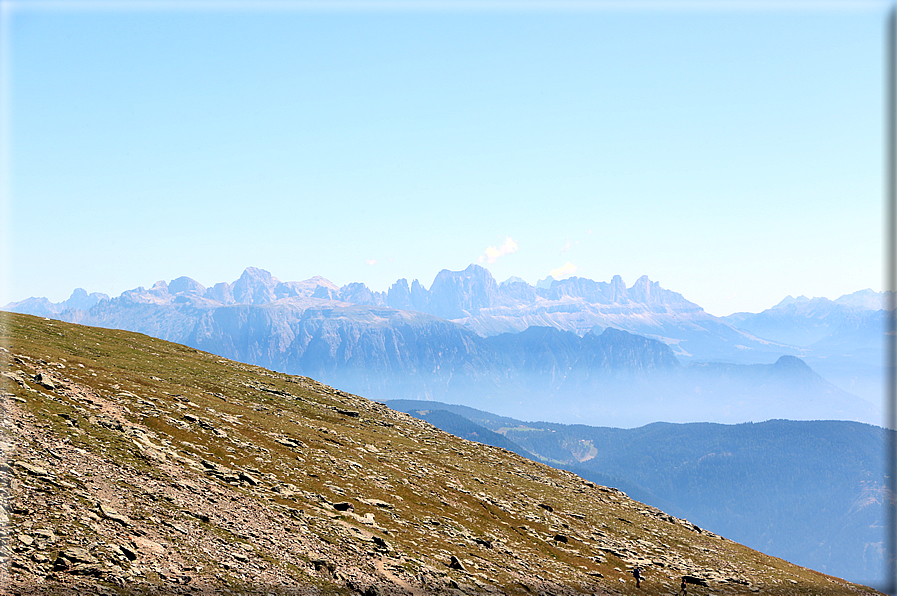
[255,286]
[544,284]
[81,300]
[402,297]
[162,290]
[457,294]
[358,293]
[221,292]
[420,296]
[307,288]
[399,295]
[159,288]
[867,299]
[326,293]
[618,293]
[517,290]
[820,308]
[453,294]
[41,307]
[645,291]
[186,286]
[786,300]
[512,280]
[138,294]
[595,292]
[802,306]
[789,299]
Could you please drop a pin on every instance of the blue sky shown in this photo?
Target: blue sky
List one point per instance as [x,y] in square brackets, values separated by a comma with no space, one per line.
[732,153]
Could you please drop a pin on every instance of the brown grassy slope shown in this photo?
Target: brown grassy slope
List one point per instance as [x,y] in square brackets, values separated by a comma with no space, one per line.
[136,465]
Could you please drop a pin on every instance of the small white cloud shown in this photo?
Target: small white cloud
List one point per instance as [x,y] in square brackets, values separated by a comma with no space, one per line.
[564,271]
[568,245]
[494,253]
[370,261]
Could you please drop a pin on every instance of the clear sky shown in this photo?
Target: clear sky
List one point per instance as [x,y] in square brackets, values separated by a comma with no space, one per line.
[734,153]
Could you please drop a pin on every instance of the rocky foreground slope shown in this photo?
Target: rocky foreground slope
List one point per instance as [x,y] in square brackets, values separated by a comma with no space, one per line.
[133,465]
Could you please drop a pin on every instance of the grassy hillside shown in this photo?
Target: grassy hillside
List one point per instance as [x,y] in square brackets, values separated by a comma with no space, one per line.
[133,465]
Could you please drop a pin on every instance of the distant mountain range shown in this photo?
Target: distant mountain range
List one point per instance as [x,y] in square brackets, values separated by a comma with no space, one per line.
[811,492]
[804,321]
[576,350]
[473,299]
[842,339]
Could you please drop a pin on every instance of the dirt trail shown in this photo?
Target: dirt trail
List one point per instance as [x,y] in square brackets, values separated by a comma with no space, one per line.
[397,581]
